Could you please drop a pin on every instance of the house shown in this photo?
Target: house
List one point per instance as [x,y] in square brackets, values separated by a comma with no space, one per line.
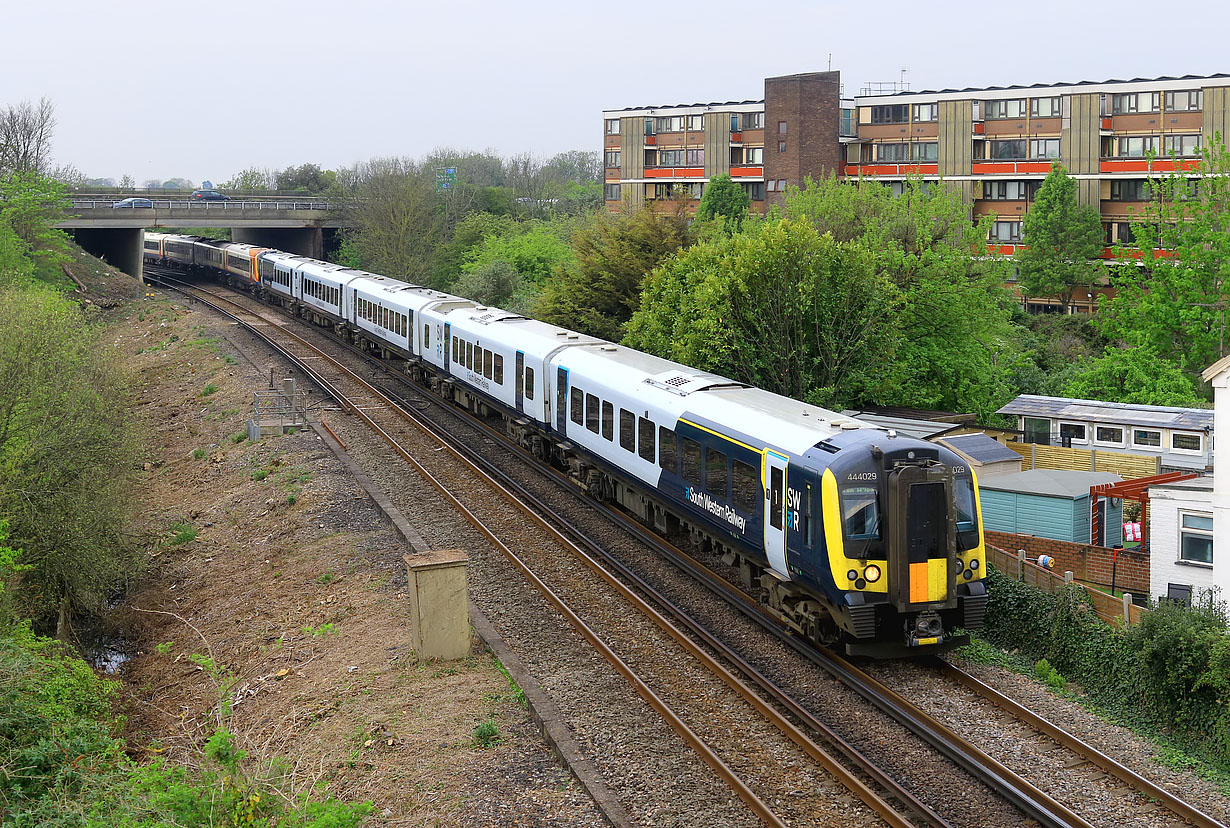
[1190,537]
[1052,503]
[1181,437]
[985,455]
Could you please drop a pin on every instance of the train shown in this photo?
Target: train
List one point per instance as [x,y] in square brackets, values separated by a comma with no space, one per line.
[854,536]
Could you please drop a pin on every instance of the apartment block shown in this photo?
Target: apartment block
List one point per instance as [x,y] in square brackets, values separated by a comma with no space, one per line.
[995,143]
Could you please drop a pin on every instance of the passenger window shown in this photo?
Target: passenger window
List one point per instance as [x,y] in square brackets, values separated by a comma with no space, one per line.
[529,383]
[808,532]
[608,420]
[745,488]
[627,430]
[470,355]
[645,430]
[486,363]
[426,335]
[691,461]
[499,369]
[591,413]
[716,472]
[578,403]
[455,350]
[668,450]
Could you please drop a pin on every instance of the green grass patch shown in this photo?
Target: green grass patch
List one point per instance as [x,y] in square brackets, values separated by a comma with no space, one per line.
[209,389]
[199,454]
[239,437]
[486,735]
[182,532]
[260,474]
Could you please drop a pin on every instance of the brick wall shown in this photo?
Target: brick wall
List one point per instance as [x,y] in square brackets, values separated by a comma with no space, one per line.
[1086,562]
[810,107]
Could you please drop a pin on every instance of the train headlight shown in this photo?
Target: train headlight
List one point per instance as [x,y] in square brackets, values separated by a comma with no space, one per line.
[852,575]
[872,574]
[973,564]
[957,565]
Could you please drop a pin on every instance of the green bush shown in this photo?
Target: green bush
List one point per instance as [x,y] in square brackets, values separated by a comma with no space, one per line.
[486,734]
[1168,676]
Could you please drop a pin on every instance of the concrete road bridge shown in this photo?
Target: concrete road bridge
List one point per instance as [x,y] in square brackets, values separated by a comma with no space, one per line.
[296,225]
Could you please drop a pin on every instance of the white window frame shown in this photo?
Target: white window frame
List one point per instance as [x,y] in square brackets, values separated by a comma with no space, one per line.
[695,123]
[612,126]
[1199,438]
[753,156]
[926,113]
[1122,441]
[1145,446]
[1201,532]
[1059,430]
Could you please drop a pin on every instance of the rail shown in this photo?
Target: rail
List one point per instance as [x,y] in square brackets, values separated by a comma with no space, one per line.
[186,204]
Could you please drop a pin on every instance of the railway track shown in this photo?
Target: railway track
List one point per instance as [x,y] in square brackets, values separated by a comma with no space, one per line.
[821,743]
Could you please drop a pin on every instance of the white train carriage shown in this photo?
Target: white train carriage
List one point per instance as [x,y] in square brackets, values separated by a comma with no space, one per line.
[153,247]
[382,310]
[179,250]
[319,287]
[209,253]
[277,274]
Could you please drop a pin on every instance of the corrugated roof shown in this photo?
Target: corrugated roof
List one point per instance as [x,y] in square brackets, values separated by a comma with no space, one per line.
[980,447]
[1049,482]
[1158,416]
[907,426]
[684,106]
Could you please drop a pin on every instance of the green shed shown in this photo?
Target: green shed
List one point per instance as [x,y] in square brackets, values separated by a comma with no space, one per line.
[1051,503]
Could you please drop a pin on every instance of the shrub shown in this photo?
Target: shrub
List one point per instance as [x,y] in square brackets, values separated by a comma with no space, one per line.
[184,533]
[486,734]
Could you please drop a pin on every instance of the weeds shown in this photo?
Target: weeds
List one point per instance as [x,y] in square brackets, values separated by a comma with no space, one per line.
[239,437]
[199,454]
[486,735]
[323,631]
[184,533]
[209,389]
[260,474]
[325,578]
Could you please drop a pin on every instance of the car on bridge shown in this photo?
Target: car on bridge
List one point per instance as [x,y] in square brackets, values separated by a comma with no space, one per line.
[139,203]
[209,195]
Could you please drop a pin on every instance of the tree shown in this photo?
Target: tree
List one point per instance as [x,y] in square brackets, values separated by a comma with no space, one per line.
[614,253]
[306,178]
[578,166]
[724,198]
[32,204]
[25,137]
[1134,375]
[1063,241]
[249,180]
[1173,300]
[396,217]
[178,184]
[127,182]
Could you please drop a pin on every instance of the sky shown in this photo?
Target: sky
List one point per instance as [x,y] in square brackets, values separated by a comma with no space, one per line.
[203,90]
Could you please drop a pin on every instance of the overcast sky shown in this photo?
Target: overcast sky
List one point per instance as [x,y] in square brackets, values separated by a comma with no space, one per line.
[160,90]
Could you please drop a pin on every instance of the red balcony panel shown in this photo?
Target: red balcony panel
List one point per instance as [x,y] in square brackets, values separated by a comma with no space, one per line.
[1175,164]
[736,137]
[651,140]
[746,172]
[980,128]
[1106,123]
[990,167]
[675,172]
[1128,165]
[665,172]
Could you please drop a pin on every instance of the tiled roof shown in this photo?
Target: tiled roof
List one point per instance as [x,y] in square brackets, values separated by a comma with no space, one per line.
[1157,416]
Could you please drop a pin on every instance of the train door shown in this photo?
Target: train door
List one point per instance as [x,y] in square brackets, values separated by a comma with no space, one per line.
[520,395]
[775,508]
[922,543]
[448,345]
[561,401]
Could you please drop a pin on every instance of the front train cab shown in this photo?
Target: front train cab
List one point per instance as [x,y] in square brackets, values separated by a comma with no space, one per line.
[905,543]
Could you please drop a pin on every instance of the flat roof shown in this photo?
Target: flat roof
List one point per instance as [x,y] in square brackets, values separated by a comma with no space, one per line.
[687,109]
[1049,482]
[908,426]
[997,92]
[1157,416]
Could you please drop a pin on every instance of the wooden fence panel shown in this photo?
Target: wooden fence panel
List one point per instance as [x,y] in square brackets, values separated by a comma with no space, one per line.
[1127,466]
[1106,606]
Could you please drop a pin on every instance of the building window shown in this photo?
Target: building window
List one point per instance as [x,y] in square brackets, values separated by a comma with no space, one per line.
[1108,435]
[612,126]
[926,112]
[1146,438]
[1072,432]
[894,114]
[1191,100]
[1132,189]
[781,146]
[734,122]
[771,185]
[781,185]
[649,126]
[892,152]
[1004,190]
[673,123]
[755,190]
[611,191]
[781,127]
[1006,231]
[925,151]
[1182,144]
[1044,148]
[1135,102]
[696,123]
[1196,537]
[849,124]
[753,155]
[753,120]
[1014,108]
[1137,146]
[1044,107]
[1006,150]
[696,158]
[1186,443]
[612,158]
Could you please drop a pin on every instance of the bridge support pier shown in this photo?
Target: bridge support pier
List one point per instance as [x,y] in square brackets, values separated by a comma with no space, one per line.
[119,247]
[302,241]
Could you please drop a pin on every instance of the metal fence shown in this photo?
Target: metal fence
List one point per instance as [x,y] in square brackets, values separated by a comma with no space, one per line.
[234,204]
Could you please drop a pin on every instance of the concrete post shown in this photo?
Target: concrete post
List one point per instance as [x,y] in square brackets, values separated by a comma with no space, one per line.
[1020,564]
[1068,578]
[1127,608]
[439,604]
